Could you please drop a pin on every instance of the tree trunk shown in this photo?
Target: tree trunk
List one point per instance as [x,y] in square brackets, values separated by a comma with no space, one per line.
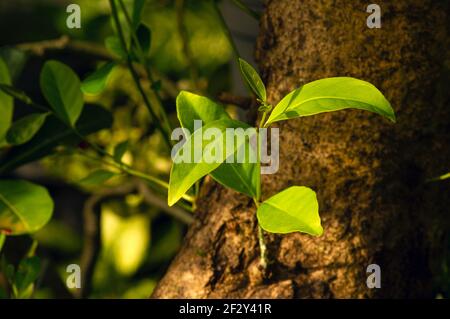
[369,174]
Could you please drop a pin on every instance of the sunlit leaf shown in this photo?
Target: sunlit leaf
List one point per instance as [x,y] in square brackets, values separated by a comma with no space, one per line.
[294,209]
[186,170]
[253,80]
[242,177]
[24,207]
[62,90]
[332,94]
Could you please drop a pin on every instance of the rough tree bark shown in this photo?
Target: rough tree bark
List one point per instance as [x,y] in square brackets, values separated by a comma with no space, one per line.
[369,174]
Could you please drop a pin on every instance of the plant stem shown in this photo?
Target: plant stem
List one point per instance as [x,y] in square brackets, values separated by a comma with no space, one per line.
[2,240]
[182,31]
[132,172]
[144,62]
[135,76]
[247,9]
[262,244]
[226,30]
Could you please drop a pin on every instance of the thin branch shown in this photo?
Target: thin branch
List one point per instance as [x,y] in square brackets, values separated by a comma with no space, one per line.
[144,62]
[247,9]
[135,75]
[240,101]
[64,43]
[226,30]
[182,31]
[92,235]
[156,201]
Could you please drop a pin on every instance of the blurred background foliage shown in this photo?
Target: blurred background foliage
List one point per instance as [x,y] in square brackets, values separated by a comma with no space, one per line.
[138,239]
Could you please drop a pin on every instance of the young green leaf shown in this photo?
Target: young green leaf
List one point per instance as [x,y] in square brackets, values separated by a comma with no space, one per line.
[95,83]
[253,80]
[24,207]
[294,209]
[97,177]
[53,133]
[119,151]
[242,177]
[6,101]
[24,129]
[62,89]
[186,169]
[331,94]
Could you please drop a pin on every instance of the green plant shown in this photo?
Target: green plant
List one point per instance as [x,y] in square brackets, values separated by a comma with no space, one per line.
[296,208]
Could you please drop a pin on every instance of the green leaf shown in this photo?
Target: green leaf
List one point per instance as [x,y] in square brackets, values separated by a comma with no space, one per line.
[97,177]
[119,151]
[95,83]
[253,80]
[24,207]
[62,89]
[114,46]
[138,6]
[53,133]
[16,93]
[6,101]
[24,129]
[242,177]
[294,209]
[184,175]
[192,107]
[331,94]
[27,273]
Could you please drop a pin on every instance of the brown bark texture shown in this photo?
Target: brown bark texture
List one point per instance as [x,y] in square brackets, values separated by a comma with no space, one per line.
[369,174]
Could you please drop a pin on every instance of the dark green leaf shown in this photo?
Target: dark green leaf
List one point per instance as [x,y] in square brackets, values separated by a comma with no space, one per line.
[27,273]
[62,89]
[6,101]
[54,133]
[24,129]
[24,207]
[144,37]
[119,151]
[253,80]
[294,209]
[95,83]
[331,94]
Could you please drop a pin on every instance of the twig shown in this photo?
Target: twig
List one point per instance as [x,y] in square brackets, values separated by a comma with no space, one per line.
[241,101]
[136,77]
[156,201]
[247,9]
[182,31]
[64,43]
[144,62]
[226,30]
[91,237]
